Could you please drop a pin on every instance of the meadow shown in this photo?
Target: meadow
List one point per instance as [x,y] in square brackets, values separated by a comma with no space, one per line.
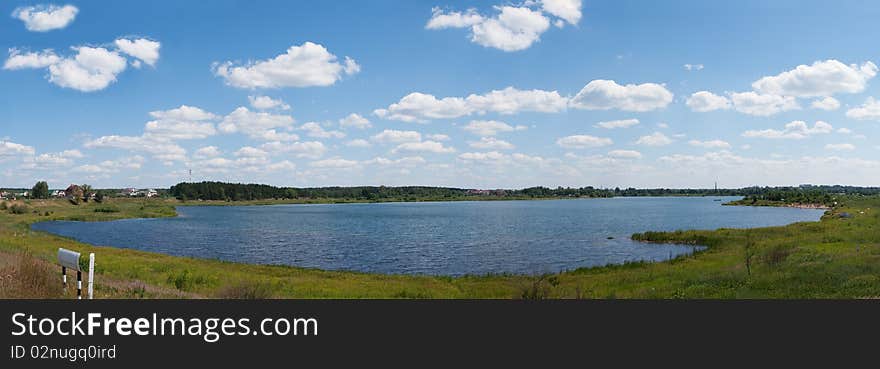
[837,257]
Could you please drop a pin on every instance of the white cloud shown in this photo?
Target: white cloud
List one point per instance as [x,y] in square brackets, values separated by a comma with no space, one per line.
[395,136]
[625,154]
[822,78]
[30,60]
[43,18]
[481,156]
[618,123]
[870,110]
[420,107]
[710,144]
[655,139]
[315,130]
[334,163]
[266,102]
[490,127]
[251,152]
[511,101]
[438,137]
[491,143]
[408,161]
[207,152]
[583,142]
[306,65]
[258,125]
[604,95]
[182,123]
[144,49]
[840,147]
[569,10]
[693,67]
[795,130]
[424,146]
[308,149]
[92,69]
[704,101]
[162,150]
[453,19]
[354,121]
[762,105]
[11,149]
[828,103]
[360,143]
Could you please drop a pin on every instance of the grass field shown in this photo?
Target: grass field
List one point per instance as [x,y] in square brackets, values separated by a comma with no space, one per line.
[838,257]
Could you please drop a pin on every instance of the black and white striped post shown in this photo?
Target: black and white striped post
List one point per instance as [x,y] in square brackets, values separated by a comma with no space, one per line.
[70,259]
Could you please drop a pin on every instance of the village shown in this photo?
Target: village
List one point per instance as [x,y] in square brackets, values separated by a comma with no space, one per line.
[78,191]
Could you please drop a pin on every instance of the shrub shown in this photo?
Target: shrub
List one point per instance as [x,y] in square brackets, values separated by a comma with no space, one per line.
[18,209]
[246,290]
[3,205]
[777,255]
[29,278]
[107,209]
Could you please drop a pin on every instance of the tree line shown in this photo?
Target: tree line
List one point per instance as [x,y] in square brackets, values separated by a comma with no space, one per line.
[243,192]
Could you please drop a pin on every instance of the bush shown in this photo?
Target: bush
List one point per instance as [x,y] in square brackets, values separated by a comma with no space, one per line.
[246,290]
[777,255]
[3,205]
[107,209]
[29,278]
[18,209]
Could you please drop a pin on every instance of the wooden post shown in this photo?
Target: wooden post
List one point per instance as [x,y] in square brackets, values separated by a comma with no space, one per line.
[79,285]
[64,277]
[91,275]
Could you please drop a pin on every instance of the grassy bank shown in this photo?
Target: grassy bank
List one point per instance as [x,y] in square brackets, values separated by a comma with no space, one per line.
[837,257]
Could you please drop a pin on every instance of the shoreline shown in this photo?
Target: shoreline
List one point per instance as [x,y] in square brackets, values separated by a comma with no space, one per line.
[211,278]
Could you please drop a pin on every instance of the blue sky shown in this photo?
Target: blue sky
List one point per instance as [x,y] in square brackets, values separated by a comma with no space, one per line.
[474,94]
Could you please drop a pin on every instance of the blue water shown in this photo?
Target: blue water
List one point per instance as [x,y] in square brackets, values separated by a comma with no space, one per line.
[441,238]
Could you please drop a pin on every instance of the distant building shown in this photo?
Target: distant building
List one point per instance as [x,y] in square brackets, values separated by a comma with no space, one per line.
[131,192]
[59,193]
[147,193]
[73,191]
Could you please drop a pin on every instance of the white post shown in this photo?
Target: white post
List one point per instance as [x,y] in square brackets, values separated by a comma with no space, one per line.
[91,275]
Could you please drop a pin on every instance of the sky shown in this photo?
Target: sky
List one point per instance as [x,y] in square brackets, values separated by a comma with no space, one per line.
[477,94]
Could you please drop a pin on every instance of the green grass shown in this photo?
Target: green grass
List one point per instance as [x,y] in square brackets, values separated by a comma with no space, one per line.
[834,258]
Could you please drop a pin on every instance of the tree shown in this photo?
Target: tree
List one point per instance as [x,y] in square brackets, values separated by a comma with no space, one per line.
[40,190]
[86,192]
[99,196]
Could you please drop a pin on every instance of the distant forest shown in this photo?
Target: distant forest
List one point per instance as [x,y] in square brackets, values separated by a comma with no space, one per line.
[242,192]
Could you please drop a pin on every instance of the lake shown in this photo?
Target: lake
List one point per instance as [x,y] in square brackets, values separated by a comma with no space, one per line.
[437,238]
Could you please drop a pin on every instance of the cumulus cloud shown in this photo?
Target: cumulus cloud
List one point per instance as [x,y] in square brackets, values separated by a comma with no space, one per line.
[360,143]
[308,149]
[625,154]
[491,143]
[654,139]
[438,137]
[511,29]
[266,103]
[490,127]
[762,105]
[143,49]
[822,78]
[870,110]
[828,103]
[705,101]
[162,150]
[44,18]
[583,142]
[693,67]
[258,125]
[840,147]
[453,19]
[182,123]
[337,163]
[625,123]
[309,64]
[605,94]
[90,69]
[395,136]
[795,130]
[207,152]
[710,144]
[420,107]
[10,149]
[568,10]
[315,130]
[355,121]
[30,60]
[423,146]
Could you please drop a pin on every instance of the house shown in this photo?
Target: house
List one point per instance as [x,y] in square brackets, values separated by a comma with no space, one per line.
[74,192]
[59,193]
[147,193]
[131,192]
[5,195]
